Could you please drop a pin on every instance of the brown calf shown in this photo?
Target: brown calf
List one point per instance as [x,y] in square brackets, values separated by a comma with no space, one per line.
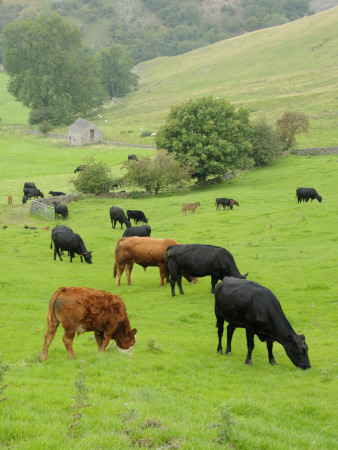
[10,199]
[145,251]
[81,309]
[191,207]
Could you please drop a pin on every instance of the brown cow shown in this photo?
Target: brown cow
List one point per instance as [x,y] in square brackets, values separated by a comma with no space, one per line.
[81,309]
[145,251]
[10,199]
[189,206]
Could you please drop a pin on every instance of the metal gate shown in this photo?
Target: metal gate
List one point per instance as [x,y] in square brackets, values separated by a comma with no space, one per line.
[43,210]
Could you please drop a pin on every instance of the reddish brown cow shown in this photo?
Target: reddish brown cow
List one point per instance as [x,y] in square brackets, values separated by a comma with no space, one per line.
[145,251]
[10,199]
[81,309]
[189,206]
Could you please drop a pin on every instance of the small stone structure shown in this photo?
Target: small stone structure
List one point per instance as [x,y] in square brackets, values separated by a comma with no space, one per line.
[83,132]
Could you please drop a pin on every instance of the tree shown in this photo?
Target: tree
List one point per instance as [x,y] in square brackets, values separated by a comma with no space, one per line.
[95,179]
[266,145]
[48,71]
[155,173]
[288,125]
[209,135]
[115,71]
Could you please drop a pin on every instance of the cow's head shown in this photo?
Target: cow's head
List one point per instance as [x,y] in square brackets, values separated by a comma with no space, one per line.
[297,350]
[145,220]
[88,257]
[128,224]
[319,198]
[243,277]
[125,339]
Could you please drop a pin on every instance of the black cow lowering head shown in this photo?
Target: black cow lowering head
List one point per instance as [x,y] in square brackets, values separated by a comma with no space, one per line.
[297,350]
[88,257]
[319,198]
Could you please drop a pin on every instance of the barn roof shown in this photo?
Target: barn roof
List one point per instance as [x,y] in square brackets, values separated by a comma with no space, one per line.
[81,125]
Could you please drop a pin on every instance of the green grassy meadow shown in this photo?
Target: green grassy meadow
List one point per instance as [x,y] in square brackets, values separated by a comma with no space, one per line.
[175,391]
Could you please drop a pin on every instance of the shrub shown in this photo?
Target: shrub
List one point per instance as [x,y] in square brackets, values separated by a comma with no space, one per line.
[266,145]
[96,179]
[288,125]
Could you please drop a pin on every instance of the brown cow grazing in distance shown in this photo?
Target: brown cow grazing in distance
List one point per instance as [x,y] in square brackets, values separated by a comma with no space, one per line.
[191,207]
[81,309]
[10,199]
[145,251]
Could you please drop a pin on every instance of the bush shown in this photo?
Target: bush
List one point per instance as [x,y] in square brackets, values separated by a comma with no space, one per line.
[288,125]
[146,133]
[95,179]
[266,145]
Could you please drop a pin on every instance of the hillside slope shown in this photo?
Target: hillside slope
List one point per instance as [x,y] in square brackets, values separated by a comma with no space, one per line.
[293,66]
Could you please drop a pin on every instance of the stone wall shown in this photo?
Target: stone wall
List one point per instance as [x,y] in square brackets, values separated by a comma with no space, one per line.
[318,151]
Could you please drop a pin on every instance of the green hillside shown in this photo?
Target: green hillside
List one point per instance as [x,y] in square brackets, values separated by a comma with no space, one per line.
[293,66]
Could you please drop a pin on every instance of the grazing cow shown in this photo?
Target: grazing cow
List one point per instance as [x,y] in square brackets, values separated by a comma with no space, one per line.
[144,251]
[137,216]
[61,210]
[246,304]
[132,158]
[225,202]
[31,192]
[304,194]
[29,184]
[80,167]
[117,215]
[81,309]
[198,260]
[233,202]
[56,193]
[24,200]
[191,207]
[71,242]
[10,199]
[141,231]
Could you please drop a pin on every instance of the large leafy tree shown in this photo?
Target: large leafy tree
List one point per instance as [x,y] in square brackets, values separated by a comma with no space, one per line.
[115,71]
[48,71]
[209,134]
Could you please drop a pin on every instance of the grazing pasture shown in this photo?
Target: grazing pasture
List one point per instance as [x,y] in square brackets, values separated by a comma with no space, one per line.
[175,391]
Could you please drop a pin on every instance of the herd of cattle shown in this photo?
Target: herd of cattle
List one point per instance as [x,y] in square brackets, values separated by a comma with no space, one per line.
[238,301]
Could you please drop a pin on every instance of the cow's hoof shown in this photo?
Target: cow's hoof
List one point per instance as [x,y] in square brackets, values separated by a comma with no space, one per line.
[229,353]
[248,363]
[273,362]
[220,352]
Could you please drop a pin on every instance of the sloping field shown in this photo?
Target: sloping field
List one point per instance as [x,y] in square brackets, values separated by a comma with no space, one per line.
[176,391]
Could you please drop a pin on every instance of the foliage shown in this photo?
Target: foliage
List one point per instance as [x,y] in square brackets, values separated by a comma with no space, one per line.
[288,125]
[48,71]
[209,135]
[115,71]
[95,179]
[81,399]
[266,145]
[45,127]
[155,174]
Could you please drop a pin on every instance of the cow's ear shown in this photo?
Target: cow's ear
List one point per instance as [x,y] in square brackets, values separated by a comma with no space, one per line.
[134,331]
[246,275]
[90,252]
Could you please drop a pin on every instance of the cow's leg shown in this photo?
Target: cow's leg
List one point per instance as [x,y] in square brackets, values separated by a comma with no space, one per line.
[105,341]
[120,269]
[99,339]
[179,283]
[52,326]
[269,344]
[214,279]
[68,341]
[251,346]
[129,268]
[220,329]
[173,276]
[57,251]
[230,331]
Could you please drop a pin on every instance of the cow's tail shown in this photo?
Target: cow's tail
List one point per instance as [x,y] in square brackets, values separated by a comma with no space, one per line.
[51,311]
[51,242]
[115,270]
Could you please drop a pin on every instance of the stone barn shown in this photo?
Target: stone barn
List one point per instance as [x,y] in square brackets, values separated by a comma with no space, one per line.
[83,132]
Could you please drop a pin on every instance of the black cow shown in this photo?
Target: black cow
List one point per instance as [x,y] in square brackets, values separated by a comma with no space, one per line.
[304,194]
[56,193]
[29,184]
[198,260]
[61,210]
[117,215]
[80,167]
[225,202]
[24,200]
[137,216]
[246,304]
[71,242]
[132,158]
[31,192]
[141,231]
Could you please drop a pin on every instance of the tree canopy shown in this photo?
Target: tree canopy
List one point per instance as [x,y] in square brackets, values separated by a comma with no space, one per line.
[48,70]
[208,134]
[291,123]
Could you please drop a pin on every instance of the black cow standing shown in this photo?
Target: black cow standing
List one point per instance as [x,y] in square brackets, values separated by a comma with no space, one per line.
[137,216]
[117,215]
[304,194]
[56,193]
[61,210]
[33,192]
[198,260]
[141,231]
[132,158]
[225,202]
[65,239]
[80,167]
[246,304]
[29,184]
